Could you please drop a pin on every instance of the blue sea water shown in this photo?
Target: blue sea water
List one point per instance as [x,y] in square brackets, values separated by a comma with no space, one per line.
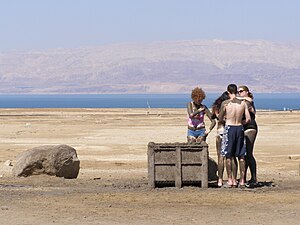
[274,101]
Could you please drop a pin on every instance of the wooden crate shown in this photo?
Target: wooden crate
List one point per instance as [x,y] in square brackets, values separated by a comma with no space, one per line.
[177,164]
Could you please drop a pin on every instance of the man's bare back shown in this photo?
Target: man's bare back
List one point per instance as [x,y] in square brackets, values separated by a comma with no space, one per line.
[234,110]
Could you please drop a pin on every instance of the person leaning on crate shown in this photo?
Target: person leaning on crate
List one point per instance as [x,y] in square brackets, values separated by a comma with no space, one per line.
[196,111]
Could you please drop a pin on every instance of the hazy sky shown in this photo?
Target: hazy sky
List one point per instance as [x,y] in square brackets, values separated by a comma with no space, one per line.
[44,24]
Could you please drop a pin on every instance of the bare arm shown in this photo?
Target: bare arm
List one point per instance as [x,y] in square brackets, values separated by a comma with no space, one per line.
[245,98]
[253,110]
[247,115]
[222,113]
[249,102]
[250,105]
[191,112]
[213,122]
[189,109]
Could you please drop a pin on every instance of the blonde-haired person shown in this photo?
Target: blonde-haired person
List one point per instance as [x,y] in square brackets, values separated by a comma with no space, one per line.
[250,134]
[196,112]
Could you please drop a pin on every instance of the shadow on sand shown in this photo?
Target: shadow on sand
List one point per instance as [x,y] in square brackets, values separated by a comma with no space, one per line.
[213,177]
[214,184]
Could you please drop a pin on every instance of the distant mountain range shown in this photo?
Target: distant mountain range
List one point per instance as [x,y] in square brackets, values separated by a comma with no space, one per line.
[161,67]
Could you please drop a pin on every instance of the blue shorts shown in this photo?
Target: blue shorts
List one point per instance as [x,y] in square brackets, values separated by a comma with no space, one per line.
[233,142]
[196,133]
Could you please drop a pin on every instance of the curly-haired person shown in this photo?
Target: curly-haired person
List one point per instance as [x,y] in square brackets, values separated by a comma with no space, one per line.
[196,112]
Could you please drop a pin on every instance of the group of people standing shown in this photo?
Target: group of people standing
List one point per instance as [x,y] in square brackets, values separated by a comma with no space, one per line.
[234,112]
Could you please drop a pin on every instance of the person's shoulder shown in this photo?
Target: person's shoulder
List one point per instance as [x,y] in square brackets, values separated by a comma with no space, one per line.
[225,102]
[236,100]
[246,104]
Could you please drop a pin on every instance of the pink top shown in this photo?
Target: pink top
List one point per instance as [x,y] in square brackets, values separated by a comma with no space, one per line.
[197,121]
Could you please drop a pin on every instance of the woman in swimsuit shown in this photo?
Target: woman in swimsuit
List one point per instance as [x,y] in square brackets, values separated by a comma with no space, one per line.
[196,112]
[250,133]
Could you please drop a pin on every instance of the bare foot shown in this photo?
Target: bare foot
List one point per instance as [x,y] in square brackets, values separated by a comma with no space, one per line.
[234,183]
[242,182]
[230,182]
[220,183]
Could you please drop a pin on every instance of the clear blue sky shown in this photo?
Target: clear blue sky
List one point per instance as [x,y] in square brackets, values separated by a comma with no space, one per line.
[45,24]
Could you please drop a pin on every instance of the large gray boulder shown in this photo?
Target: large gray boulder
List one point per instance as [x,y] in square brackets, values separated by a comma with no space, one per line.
[55,160]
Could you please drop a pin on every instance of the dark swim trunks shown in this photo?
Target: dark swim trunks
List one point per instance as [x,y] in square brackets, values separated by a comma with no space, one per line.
[233,142]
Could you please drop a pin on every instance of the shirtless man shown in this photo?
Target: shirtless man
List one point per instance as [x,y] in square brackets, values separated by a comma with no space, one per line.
[233,143]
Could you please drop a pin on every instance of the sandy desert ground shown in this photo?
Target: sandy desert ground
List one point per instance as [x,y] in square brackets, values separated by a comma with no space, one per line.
[112,184]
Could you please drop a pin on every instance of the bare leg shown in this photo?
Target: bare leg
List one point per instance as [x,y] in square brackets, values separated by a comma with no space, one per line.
[234,170]
[191,140]
[242,171]
[220,170]
[220,160]
[229,170]
[250,136]
[201,139]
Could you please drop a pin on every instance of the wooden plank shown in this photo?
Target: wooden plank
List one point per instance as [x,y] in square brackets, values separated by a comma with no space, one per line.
[178,177]
[204,181]
[151,166]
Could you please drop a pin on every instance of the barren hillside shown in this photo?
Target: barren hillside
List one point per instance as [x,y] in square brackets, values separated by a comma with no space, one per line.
[162,67]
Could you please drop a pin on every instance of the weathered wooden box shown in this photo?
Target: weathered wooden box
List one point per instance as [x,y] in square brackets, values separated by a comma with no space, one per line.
[177,164]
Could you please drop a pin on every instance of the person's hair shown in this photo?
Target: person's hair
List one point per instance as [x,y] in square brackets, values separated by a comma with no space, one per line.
[245,88]
[198,93]
[232,88]
[217,103]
